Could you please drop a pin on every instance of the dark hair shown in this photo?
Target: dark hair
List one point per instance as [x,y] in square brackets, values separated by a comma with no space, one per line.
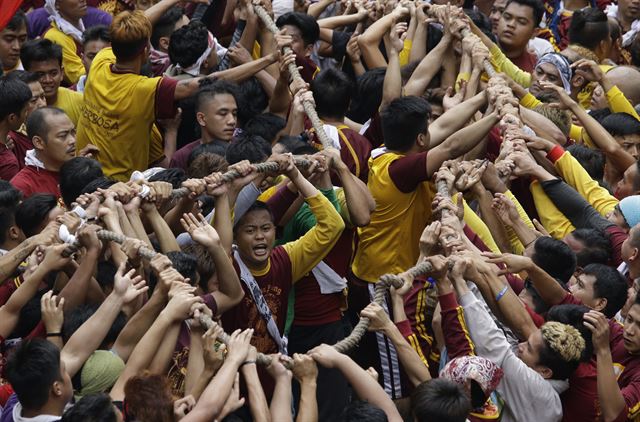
[481,21]
[96,33]
[635,52]
[80,314]
[105,274]
[99,183]
[403,119]
[368,95]
[600,114]
[573,315]
[361,411]
[208,91]
[307,25]
[593,160]
[291,143]
[7,219]
[40,50]
[555,257]
[332,90]
[185,264]
[18,20]
[253,148]
[205,265]
[540,307]
[561,368]
[536,6]
[621,124]
[440,400]
[9,195]
[588,27]
[32,369]
[33,211]
[205,163]
[37,121]
[597,248]
[149,397]
[175,176]
[15,96]
[210,148]
[188,43]
[251,99]
[165,25]
[266,125]
[91,408]
[256,206]
[25,76]
[610,285]
[75,174]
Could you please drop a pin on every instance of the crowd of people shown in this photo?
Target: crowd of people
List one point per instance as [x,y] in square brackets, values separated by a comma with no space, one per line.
[178,242]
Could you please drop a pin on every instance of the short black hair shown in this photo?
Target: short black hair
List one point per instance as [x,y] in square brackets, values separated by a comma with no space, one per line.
[251,99]
[573,315]
[536,6]
[291,143]
[186,264]
[481,21]
[305,23]
[188,43]
[593,160]
[361,411]
[32,369]
[332,91]
[99,183]
[208,91]
[7,219]
[403,119]
[597,248]
[555,257]
[621,124]
[256,206]
[17,21]
[266,125]
[253,148]
[74,319]
[37,121]
[15,96]
[25,76]
[175,176]
[610,285]
[368,96]
[166,23]
[33,211]
[209,148]
[40,50]
[96,33]
[440,400]
[9,195]
[75,174]
[91,408]
[588,27]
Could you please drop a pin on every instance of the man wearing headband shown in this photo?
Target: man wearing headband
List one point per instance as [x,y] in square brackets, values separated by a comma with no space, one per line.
[552,68]
[193,51]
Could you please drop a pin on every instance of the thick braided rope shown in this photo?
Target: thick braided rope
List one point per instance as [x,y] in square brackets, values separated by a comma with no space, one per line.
[295,74]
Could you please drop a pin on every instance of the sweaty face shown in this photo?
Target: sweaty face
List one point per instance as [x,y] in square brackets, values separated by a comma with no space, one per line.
[90,50]
[496,12]
[529,351]
[297,45]
[72,9]
[516,26]
[60,144]
[582,289]
[546,72]
[218,117]
[50,74]
[10,43]
[632,330]
[38,99]
[255,236]
[626,186]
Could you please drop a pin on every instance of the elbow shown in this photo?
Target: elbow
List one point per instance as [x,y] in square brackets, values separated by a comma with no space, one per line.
[361,219]
[237,297]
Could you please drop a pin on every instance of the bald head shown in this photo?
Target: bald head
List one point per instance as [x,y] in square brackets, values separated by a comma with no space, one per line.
[628,81]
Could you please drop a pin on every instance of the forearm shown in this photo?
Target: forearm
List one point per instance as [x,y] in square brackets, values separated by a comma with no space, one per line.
[195,362]
[167,240]
[415,368]
[549,289]
[201,383]
[419,45]
[138,227]
[155,12]
[222,222]
[162,357]
[466,138]
[12,259]
[308,407]
[256,397]
[611,399]
[370,41]
[127,228]
[76,290]
[454,119]
[305,188]
[334,22]
[358,198]
[267,81]
[229,283]
[281,402]
[573,205]
[170,143]
[497,229]
[392,86]
[427,69]
[246,70]
[281,99]
[316,9]
[173,216]
[112,223]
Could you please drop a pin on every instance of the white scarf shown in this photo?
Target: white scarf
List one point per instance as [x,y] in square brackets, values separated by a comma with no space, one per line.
[63,25]
[194,69]
[30,159]
[627,37]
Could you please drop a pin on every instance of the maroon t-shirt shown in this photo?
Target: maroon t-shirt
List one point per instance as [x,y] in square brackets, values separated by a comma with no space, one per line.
[9,166]
[22,144]
[31,180]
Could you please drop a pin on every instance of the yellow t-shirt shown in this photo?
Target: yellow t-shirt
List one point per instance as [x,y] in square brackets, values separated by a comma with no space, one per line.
[390,243]
[71,61]
[118,115]
[71,103]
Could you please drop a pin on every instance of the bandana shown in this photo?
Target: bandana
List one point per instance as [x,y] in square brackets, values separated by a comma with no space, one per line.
[63,25]
[562,64]
[627,37]
[465,368]
[194,69]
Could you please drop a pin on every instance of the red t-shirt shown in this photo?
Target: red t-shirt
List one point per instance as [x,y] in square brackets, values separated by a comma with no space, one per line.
[22,144]
[31,180]
[527,61]
[9,166]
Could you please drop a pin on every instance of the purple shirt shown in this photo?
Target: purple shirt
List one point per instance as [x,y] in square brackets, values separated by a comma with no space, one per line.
[38,20]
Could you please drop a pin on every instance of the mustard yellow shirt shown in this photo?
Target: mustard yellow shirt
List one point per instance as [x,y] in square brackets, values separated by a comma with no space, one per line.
[71,61]
[71,103]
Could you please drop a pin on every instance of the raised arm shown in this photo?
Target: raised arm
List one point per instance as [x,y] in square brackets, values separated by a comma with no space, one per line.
[454,119]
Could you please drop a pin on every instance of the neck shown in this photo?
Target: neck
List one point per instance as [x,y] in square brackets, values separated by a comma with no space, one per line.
[333,121]
[4,131]
[9,244]
[634,269]
[206,138]
[74,22]
[513,53]
[128,66]
[48,163]
[625,21]
[50,408]
[52,99]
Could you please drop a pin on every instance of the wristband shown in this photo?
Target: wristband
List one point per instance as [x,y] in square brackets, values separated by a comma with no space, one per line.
[502,292]
[54,335]
[248,362]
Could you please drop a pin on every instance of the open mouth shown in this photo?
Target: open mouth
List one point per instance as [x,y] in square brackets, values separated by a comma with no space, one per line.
[261,249]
